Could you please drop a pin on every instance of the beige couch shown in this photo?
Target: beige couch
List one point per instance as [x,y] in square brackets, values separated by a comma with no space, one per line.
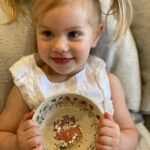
[18,39]
[141,31]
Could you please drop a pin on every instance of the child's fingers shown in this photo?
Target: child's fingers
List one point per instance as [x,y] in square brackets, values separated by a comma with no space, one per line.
[38,148]
[108,120]
[34,142]
[105,131]
[108,116]
[28,116]
[102,147]
[27,122]
[106,123]
[32,132]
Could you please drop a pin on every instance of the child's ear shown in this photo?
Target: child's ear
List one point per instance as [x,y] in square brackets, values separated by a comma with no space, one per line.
[98,32]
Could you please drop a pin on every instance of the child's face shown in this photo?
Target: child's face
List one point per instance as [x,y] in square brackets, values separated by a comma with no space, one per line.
[65,38]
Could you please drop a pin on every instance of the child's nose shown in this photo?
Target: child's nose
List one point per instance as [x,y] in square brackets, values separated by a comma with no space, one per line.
[60,45]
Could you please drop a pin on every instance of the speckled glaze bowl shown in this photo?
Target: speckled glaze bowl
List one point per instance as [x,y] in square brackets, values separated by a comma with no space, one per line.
[66,111]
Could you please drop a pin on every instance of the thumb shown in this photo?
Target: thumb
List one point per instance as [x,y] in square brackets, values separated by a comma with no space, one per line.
[28,116]
[108,116]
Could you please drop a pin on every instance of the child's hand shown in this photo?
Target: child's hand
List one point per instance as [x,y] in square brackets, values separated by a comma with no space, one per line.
[109,136]
[29,136]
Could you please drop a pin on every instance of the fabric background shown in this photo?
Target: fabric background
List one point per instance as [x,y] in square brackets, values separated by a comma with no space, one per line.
[141,31]
[16,40]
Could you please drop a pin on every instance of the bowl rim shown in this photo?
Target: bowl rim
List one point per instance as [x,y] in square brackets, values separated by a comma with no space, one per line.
[65,94]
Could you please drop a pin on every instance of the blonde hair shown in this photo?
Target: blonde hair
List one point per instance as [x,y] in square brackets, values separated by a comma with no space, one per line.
[121,8]
[42,6]
[12,8]
[124,12]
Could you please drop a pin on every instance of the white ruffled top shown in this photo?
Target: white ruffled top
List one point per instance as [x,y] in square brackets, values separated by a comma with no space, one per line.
[35,87]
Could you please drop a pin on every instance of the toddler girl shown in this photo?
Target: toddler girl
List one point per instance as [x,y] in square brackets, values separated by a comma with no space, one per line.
[66,32]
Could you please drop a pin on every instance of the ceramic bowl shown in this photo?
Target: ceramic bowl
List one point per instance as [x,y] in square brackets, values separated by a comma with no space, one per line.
[67,115]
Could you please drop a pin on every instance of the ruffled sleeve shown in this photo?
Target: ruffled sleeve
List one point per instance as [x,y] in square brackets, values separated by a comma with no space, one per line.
[23,78]
[103,83]
[20,72]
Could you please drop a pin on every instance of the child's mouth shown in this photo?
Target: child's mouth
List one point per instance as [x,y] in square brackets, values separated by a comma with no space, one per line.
[62,61]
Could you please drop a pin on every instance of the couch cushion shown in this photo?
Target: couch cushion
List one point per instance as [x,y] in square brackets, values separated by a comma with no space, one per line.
[16,39]
[144,136]
[141,32]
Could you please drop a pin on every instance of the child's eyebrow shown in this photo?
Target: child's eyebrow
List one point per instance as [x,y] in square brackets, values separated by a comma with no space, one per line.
[43,26]
[75,27]
[69,28]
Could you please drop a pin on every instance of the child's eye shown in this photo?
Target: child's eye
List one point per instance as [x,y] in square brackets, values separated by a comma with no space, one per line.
[74,34]
[47,33]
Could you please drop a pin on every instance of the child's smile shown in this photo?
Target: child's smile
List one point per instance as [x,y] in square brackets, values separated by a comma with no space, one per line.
[61,60]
